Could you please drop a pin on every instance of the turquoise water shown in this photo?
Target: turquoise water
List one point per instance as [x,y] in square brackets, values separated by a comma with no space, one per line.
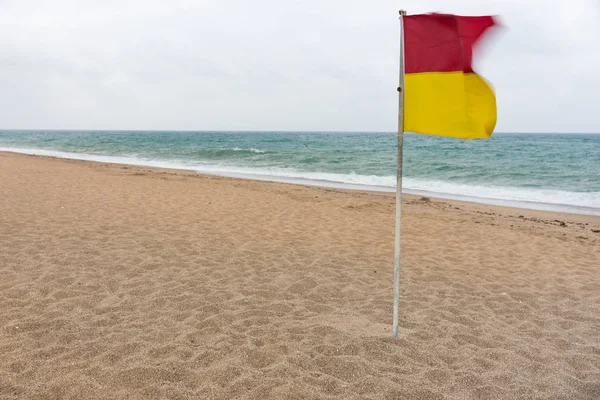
[545,171]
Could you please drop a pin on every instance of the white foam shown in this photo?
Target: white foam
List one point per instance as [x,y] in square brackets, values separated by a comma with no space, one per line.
[251,150]
[540,199]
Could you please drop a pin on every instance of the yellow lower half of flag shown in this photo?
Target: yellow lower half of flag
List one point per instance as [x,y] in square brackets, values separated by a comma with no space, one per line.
[455,104]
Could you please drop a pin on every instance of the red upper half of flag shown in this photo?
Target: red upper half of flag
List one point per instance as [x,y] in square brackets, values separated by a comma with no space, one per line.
[441,42]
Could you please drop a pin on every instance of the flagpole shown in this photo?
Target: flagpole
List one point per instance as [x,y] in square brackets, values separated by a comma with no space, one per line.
[399,180]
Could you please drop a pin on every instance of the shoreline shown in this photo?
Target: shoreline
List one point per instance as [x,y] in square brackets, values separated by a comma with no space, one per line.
[469,206]
[118,160]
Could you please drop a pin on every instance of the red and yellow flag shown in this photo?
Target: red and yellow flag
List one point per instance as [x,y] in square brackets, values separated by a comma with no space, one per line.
[443,95]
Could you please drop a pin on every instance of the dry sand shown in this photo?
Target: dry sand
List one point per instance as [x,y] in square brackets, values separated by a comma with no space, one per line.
[122,282]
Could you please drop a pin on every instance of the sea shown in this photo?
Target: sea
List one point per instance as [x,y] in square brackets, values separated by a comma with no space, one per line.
[556,172]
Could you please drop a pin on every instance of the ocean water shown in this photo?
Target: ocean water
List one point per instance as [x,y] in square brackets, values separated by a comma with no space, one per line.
[557,172]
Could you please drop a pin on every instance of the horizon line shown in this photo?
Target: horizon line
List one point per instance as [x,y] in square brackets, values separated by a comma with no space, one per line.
[266,131]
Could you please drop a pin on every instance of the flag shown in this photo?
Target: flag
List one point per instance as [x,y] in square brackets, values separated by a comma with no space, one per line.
[442,94]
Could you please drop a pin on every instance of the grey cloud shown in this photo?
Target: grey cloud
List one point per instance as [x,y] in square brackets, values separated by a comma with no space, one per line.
[331,65]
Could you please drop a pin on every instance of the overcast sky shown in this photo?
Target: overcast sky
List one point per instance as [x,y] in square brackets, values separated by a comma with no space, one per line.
[277,65]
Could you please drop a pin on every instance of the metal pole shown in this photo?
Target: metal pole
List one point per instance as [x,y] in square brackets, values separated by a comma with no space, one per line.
[399,180]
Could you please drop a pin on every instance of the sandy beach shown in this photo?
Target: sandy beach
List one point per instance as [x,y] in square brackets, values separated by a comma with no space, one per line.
[122,282]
